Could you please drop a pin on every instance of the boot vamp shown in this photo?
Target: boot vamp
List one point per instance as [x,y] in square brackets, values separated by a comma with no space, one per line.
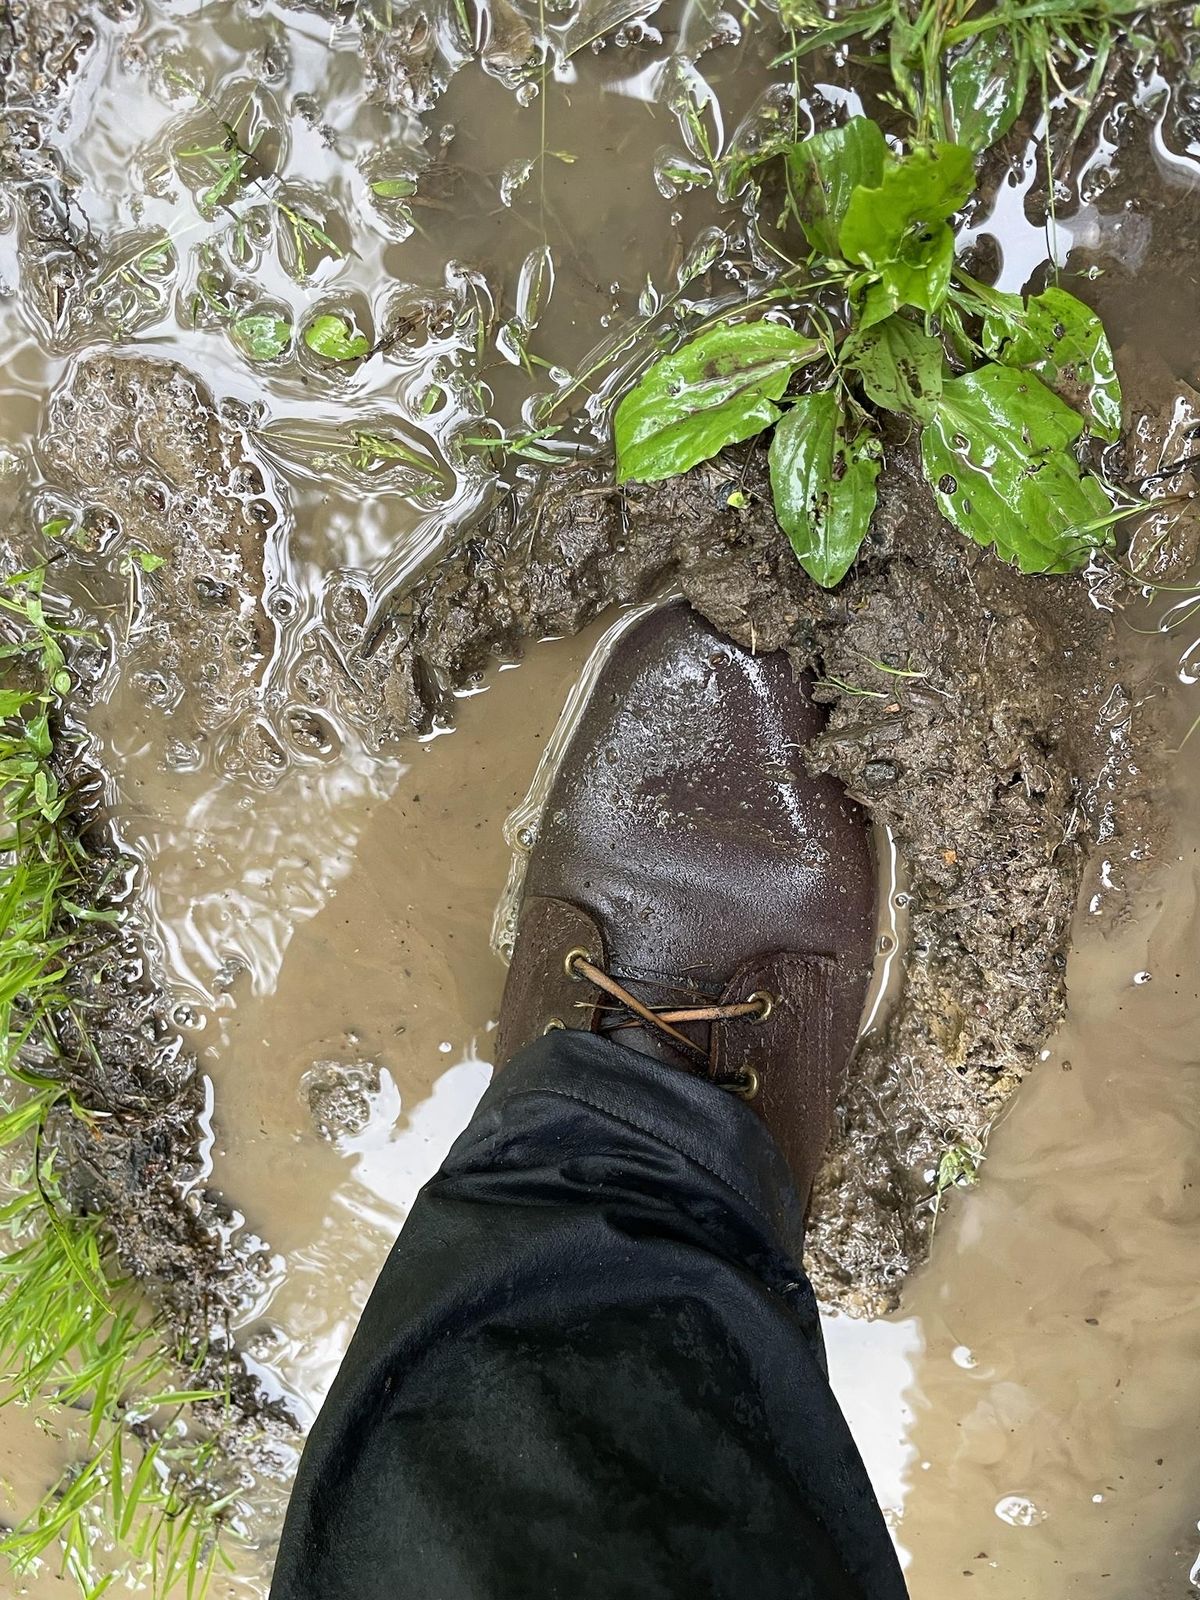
[683,817]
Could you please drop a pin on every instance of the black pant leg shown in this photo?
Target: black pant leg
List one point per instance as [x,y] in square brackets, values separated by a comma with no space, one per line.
[590,1368]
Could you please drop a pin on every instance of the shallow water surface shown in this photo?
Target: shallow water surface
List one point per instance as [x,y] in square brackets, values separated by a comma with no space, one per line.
[1026,1417]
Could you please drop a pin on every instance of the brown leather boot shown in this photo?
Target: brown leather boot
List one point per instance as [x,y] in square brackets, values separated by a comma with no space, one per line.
[693,893]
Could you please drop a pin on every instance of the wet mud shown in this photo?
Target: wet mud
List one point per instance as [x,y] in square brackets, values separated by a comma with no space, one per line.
[986,726]
[983,718]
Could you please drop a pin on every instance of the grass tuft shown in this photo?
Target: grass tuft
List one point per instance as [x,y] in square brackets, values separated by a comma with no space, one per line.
[77,1341]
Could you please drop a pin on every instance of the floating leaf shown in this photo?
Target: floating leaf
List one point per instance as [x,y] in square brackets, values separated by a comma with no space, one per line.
[824,485]
[998,454]
[55,527]
[333,338]
[394,188]
[261,335]
[898,230]
[373,448]
[985,89]
[899,364]
[147,561]
[717,390]
[1064,342]
[825,171]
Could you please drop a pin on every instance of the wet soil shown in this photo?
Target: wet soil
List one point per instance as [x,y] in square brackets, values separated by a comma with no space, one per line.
[982,718]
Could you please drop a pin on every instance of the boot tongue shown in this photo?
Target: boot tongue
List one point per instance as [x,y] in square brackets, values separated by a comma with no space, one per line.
[618,1023]
[624,1026]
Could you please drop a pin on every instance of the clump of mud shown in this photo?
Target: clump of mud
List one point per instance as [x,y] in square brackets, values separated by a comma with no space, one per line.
[136,449]
[138,444]
[339,1096]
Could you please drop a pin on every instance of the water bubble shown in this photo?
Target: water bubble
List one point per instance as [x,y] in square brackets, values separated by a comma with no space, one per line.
[1019,1511]
[445,1047]
[962,1356]
[228,973]
[180,756]
[1142,977]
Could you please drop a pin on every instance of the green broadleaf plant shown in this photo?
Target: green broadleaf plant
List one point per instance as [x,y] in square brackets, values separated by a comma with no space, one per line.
[997,441]
[986,86]
[1064,343]
[718,390]
[899,231]
[997,452]
[825,171]
[333,338]
[899,366]
[823,483]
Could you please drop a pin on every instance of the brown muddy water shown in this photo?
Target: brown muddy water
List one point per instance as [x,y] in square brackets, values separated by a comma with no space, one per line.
[322,921]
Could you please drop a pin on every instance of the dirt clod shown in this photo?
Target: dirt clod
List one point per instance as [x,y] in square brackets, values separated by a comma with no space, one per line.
[339,1095]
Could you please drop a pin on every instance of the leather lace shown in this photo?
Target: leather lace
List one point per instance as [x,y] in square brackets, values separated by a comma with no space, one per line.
[579,964]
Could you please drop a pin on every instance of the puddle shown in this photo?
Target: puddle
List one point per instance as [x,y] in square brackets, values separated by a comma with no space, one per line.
[1024,1417]
[323,922]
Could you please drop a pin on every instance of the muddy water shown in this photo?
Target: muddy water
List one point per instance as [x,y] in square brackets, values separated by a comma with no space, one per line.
[1030,1416]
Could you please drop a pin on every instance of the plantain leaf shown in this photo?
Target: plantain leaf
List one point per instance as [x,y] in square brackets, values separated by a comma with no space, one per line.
[986,87]
[718,389]
[898,229]
[997,452]
[899,364]
[823,484]
[826,169]
[1064,342]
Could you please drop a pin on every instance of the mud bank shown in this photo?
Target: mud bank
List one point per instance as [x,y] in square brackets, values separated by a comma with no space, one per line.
[981,716]
[137,1156]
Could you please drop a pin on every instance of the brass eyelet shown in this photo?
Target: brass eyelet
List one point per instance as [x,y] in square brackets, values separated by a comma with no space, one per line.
[553,1025]
[746,1085]
[766,1004]
[578,954]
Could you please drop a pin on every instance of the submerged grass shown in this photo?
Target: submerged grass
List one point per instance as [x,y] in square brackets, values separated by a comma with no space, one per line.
[78,1345]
